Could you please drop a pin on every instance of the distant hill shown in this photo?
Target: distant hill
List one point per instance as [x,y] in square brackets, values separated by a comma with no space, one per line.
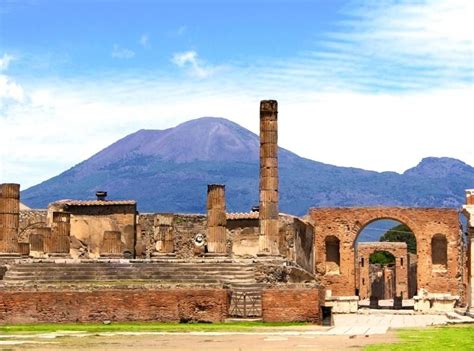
[168,170]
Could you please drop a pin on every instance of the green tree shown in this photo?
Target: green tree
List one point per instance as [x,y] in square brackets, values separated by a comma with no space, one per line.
[401,233]
[381,257]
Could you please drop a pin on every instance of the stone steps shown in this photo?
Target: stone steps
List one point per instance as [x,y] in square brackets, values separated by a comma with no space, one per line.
[163,272]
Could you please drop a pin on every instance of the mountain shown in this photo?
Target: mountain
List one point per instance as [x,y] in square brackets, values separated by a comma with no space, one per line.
[168,171]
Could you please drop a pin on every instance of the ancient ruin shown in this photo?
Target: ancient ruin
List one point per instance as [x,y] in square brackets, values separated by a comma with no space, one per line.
[209,267]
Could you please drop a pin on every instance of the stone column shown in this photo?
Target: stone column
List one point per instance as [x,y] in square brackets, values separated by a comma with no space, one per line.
[468,210]
[61,233]
[9,218]
[268,240]
[216,219]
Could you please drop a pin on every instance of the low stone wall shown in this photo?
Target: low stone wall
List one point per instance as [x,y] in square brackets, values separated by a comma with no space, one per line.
[292,305]
[173,305]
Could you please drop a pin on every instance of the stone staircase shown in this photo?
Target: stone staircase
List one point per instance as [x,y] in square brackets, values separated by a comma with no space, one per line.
[121,272]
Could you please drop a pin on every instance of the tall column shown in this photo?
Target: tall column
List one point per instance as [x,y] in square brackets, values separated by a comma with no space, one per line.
[9,218]
[469,212]
[216,219]
[268,240]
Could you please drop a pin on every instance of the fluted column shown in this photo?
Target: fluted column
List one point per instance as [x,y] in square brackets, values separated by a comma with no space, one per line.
[216,219]
[268,240]
[9,218]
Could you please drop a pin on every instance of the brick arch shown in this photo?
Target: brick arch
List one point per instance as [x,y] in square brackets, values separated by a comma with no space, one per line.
[401,219]
[346,224]
[399,251]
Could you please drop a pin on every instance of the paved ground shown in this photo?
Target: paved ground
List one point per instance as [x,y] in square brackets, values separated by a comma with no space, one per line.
[350,332]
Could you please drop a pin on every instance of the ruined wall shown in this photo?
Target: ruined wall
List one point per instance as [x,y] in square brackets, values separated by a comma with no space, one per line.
[292,305]
[89,222]
[242,236]
[346,223]
[399,251]
[304,245]
[170,305]
[29,221]
[182,230]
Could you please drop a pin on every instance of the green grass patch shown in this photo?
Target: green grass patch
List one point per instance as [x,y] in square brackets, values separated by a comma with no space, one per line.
[456,338]
[142,327]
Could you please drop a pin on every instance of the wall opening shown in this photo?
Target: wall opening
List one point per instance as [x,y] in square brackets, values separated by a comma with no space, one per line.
[439,252]
[386,274]
[333,256]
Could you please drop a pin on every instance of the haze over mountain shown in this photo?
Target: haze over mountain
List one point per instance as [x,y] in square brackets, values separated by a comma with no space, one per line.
[168,171]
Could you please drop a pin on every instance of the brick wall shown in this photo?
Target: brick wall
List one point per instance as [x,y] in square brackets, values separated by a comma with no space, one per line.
[292,305]
[347,223]
[174,305]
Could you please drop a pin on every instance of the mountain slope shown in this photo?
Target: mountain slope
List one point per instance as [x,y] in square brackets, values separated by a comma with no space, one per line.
[168,170]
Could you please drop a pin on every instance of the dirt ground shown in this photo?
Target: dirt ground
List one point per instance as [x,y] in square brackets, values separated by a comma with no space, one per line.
[203,342]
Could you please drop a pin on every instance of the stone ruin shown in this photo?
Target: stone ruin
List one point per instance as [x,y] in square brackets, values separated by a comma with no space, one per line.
[183,267]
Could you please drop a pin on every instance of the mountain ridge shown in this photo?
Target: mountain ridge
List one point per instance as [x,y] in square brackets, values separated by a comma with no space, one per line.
[168,170]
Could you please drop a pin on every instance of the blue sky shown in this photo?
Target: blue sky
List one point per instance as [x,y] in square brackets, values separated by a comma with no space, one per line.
[349,75]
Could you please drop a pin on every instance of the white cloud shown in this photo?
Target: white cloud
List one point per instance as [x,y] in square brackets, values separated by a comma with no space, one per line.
[10,91]
[195,66]
[122,53]
[393,85]
[144,41]
[5,62]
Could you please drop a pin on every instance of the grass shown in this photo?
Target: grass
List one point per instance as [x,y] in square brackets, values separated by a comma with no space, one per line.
[141,327]
[456,338]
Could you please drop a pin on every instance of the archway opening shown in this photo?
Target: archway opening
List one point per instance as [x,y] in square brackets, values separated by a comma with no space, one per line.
[386,264]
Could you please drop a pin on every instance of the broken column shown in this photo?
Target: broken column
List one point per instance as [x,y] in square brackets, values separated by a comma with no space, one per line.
[60,233]
[9,218]
[469,212]
[268,240]
[111,245]
[216,219]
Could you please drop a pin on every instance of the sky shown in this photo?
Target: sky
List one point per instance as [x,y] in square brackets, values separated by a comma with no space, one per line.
[371,84]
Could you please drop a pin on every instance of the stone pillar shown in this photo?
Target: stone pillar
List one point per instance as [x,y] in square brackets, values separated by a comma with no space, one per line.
[9,218]
[268,240]
[111,245]
[216,219]
[60,233]
[468,210]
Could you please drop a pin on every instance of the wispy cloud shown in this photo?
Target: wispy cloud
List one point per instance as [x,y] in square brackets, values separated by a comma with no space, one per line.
[388,45]
[122,53]
[195,66]
[5,61]
[144,41]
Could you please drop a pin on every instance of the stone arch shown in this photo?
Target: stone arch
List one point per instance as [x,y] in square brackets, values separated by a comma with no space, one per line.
[439,252]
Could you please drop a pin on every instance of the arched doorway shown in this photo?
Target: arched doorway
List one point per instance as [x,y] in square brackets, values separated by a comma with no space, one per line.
[386,264]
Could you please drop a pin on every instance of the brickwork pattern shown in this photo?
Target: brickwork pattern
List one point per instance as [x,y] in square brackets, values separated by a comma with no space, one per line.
[398,250]
[292,305]
[346,224]
[176,305]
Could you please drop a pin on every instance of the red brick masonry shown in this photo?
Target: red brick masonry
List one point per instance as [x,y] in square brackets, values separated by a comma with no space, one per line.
[292,305]
[174,305]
